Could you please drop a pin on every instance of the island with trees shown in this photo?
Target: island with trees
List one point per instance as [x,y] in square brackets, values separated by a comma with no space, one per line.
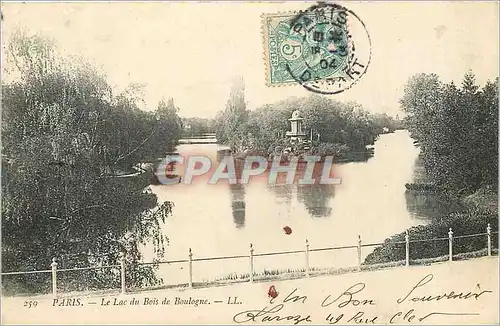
[331,128]
[75,186]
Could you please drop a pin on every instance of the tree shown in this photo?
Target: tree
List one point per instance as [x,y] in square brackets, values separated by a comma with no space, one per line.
[169,125]
[66,142]
[488,134]
[456,129]
[343,125]
[268,126]
[195,127]
[231,124]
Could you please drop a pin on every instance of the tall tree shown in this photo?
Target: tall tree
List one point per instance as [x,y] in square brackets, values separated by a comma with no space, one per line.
[170,125]
[456,129]
[231,124]
[66,142]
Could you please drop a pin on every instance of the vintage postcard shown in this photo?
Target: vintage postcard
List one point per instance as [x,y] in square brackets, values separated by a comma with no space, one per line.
[276,163]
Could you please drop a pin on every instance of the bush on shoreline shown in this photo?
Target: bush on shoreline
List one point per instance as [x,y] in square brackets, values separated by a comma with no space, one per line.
[464,223]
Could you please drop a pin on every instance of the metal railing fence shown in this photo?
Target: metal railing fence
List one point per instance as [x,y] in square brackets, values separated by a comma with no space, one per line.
[122,267]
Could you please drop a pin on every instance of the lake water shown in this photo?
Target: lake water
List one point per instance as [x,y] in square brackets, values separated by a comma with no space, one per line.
[222,220]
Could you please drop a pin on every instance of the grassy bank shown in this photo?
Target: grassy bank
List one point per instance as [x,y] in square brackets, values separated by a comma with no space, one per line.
[465,215]
[484,200]
[465,223]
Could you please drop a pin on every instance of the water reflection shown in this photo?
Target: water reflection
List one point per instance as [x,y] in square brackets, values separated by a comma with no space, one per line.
[282,193]
[370,202]
[238,205]
[424,205]
[428,205]
[316,198]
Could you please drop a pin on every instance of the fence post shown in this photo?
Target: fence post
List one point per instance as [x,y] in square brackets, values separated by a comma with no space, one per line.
[190,268]
[307,259]
[122,273]
[54,277]
[450,244]
[359,252]
[488,231]
[251,263]
[407,240]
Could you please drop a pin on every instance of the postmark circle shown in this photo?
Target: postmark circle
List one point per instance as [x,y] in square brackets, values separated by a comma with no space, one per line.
[326,48]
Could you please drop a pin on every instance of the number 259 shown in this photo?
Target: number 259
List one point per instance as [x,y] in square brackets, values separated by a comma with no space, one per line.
[30,304]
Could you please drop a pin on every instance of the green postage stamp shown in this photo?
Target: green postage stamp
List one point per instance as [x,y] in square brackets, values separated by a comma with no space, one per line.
[325,48]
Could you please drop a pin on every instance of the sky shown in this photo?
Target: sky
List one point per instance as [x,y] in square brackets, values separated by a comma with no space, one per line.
[193,51]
